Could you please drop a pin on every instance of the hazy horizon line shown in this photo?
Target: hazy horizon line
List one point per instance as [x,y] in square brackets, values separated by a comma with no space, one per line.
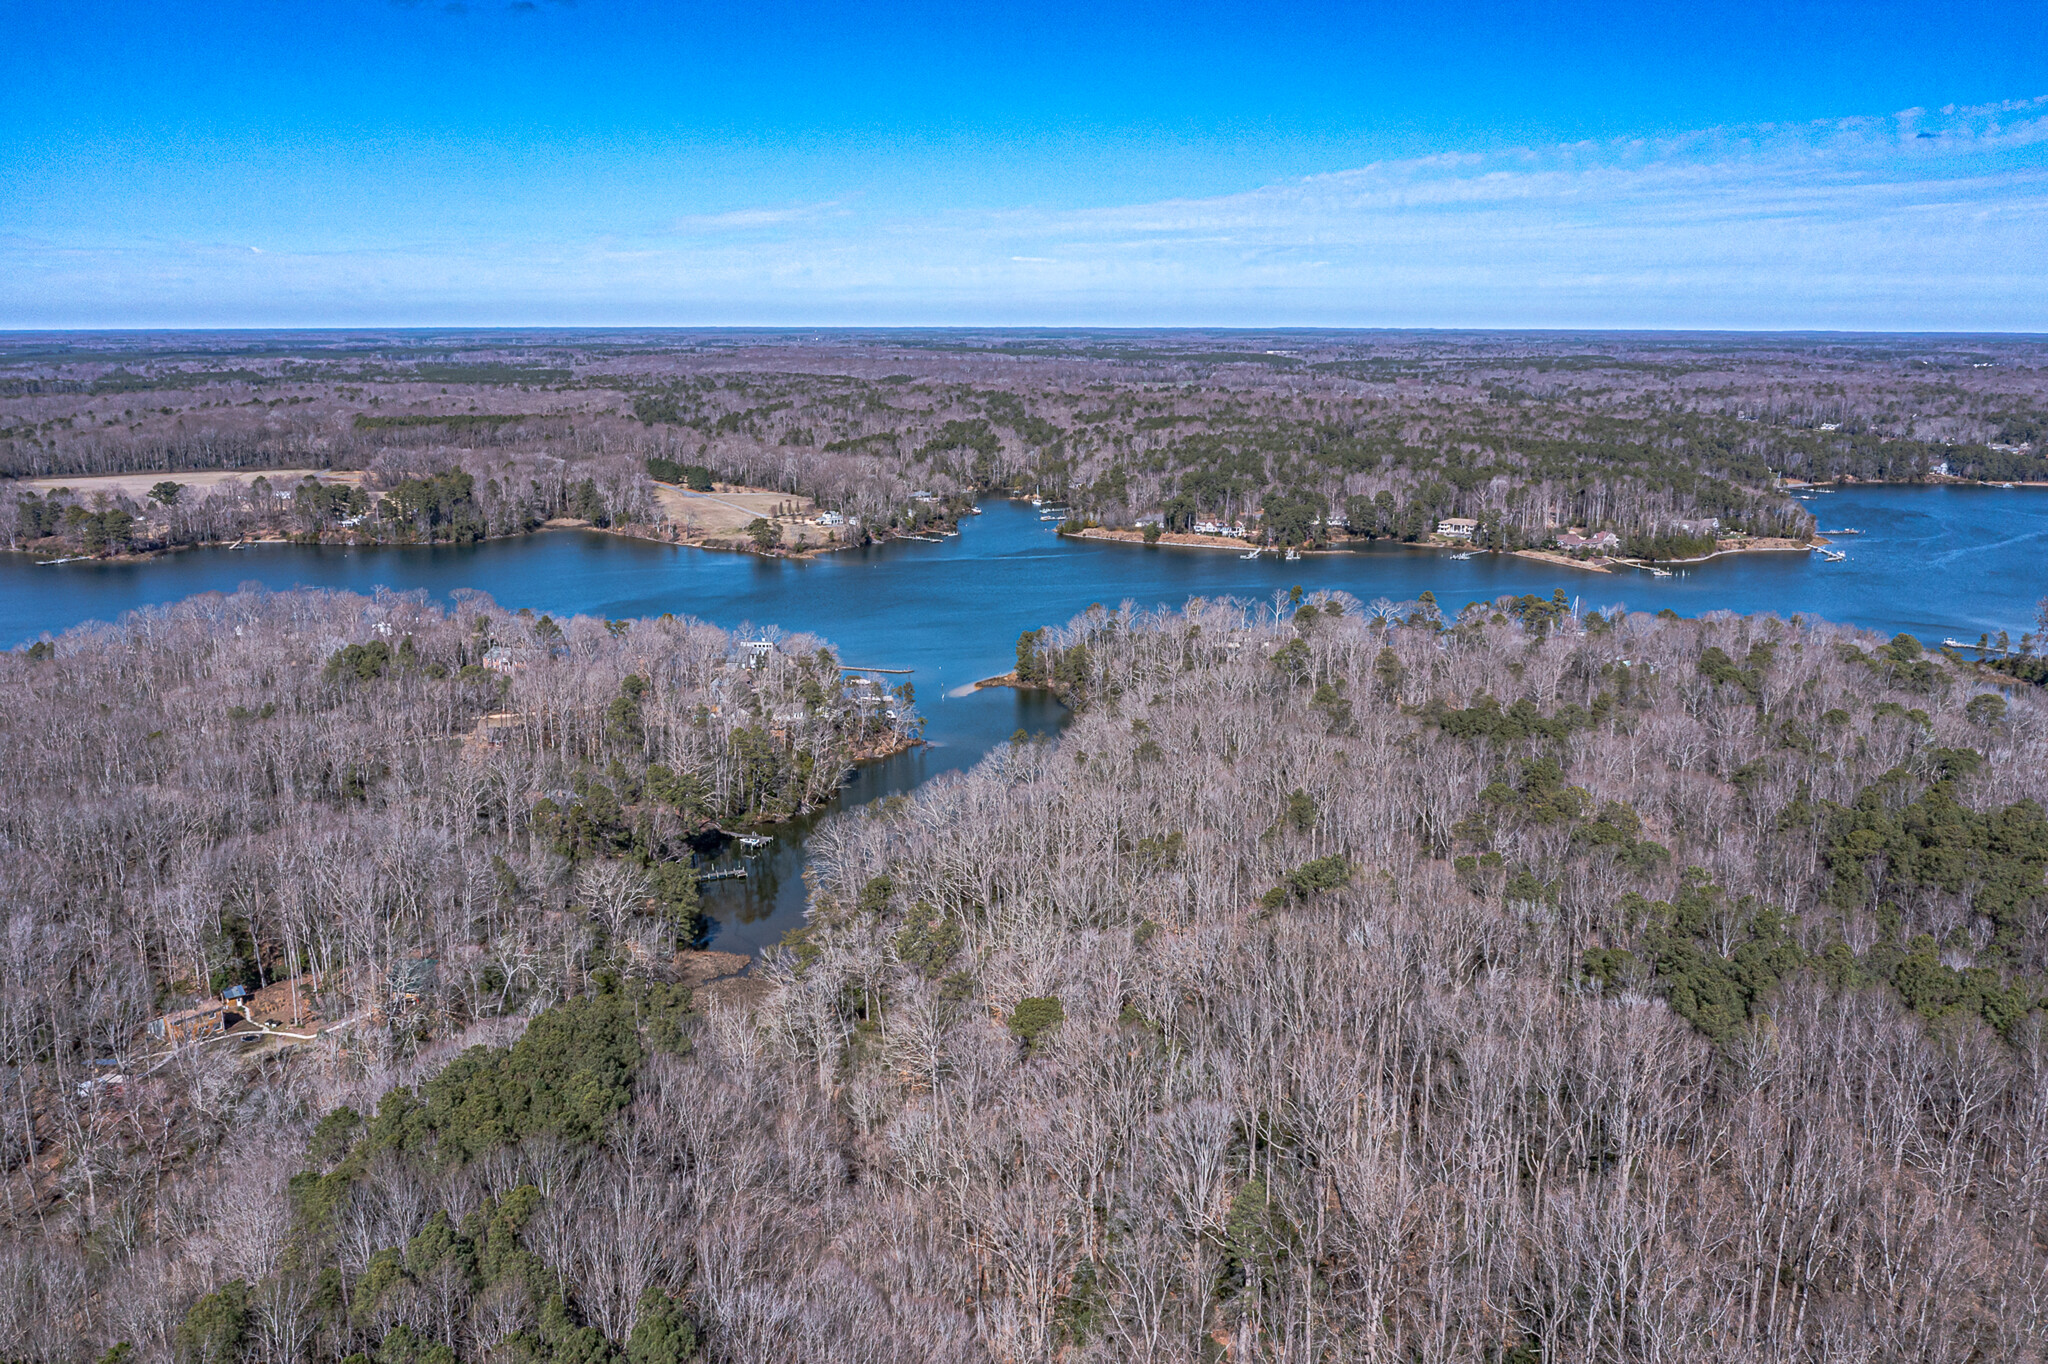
[1044,328]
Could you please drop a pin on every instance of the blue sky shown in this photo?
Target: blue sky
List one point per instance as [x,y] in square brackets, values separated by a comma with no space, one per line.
[358,162]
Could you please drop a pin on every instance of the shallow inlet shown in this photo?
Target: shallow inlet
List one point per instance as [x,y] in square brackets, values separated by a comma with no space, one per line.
[1934,562]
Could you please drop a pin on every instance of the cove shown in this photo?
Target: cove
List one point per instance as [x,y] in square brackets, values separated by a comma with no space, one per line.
[1932,562]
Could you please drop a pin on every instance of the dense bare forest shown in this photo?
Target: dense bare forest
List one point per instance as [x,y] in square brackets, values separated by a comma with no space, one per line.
[1297,435]
[378,821]
[1346,982]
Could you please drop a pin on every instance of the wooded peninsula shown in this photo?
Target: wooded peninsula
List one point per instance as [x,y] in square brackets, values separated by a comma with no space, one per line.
[1346,982]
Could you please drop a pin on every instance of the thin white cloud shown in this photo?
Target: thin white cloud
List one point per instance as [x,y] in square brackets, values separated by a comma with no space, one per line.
[1922,219]
[742,219]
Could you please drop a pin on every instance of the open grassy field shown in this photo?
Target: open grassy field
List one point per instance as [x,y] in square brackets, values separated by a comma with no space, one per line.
[137,486]
[725,513]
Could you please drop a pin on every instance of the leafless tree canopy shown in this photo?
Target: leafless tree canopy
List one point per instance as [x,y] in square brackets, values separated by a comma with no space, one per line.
[1346,983]
[1305,433]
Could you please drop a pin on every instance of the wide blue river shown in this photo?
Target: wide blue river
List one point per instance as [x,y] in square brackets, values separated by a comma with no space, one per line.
[1934,562]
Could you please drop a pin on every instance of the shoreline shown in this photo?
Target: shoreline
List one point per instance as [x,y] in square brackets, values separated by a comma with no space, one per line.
[1544,556]
[1609,563]
[1181,539]
[635,530]
[1931,481]
[875,753]
[1818,542]
[724,538]
[1177,539]
[1605,564]
[1009,679]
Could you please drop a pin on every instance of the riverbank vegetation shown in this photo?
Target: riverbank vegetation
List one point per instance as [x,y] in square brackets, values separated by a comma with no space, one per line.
[1298,437]
[457,499]
[1347,982]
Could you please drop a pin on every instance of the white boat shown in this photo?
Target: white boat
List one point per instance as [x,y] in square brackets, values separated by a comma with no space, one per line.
[1660,572]
[1252,554]
[1292,555]
[1466,555]
[1833,556]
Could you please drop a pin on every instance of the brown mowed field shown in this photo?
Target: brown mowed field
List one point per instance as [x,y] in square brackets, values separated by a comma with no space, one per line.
[137,486]
[726,512]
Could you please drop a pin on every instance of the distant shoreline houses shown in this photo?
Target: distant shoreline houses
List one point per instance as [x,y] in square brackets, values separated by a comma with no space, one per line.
[1467,530]
[1577,538]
